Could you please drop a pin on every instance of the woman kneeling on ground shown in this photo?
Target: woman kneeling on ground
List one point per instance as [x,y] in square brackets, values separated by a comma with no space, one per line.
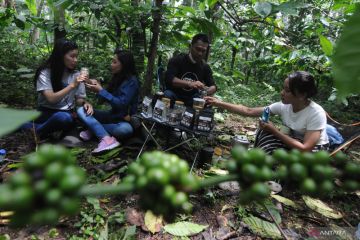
[122,95]
[304,120]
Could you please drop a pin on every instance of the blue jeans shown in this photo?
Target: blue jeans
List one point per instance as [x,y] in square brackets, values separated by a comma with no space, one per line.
[51,121]
[188,100]
[100,123]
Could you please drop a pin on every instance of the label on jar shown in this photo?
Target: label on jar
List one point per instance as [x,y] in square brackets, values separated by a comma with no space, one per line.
[159,110]
[187,119]
[173,118]
[146,107]
[204,123]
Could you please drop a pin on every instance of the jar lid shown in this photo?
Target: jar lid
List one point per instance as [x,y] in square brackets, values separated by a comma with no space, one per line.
[165,99]
[198,100]
[179,102]
[2,151]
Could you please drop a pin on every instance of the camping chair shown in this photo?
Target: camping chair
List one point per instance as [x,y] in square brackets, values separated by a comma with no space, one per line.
[342,127]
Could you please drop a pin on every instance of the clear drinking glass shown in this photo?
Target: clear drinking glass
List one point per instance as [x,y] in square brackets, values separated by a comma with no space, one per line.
[84,71]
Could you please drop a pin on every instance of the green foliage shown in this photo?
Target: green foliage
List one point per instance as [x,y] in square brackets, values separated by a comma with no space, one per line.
[326,45]
[49,177]
[263,228]
[12,119]
[31,4]
[245,52]
[162,181]
[346,57]
[263,8]
[184,229]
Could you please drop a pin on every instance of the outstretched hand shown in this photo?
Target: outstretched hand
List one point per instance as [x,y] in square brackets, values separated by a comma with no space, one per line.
[95,86]
[213,101]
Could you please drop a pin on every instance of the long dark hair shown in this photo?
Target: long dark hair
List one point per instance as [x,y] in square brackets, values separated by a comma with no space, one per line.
[56,63]
[128,69]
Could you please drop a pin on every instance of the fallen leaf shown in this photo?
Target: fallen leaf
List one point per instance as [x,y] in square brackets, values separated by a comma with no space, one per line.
[184,229]
[320,207]
[134,217]
[263,228]
[218,171]
[222,221]
[218,151]
[226,207]
[286,201]
[152,222]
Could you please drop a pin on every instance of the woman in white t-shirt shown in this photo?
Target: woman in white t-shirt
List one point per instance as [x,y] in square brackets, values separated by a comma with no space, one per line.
[304,121]
[60,88]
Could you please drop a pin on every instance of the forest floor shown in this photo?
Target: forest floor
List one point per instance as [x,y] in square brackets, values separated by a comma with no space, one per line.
[217,208]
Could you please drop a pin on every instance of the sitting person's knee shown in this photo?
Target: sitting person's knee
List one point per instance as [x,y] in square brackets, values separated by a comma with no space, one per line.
[81,113]
[64,117]
[123,132]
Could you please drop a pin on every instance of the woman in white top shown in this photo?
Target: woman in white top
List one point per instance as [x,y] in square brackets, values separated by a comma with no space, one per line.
[60,88]
[304,120]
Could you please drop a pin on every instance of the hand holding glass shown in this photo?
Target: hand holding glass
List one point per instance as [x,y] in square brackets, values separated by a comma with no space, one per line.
[84,72]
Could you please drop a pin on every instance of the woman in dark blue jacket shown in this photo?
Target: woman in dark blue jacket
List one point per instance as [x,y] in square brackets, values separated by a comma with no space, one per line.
[122,94]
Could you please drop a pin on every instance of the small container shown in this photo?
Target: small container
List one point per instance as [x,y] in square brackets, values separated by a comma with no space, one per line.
[205,157]
[175,114]
[196,116]
[204,120]
[166,110]
[240,140]
[158,96]
[2,154]
[187,119]
[179,105]
[84,71]
[158,110]
[198,103]
[204,92]
[173,118]
[265,114]
[146,107]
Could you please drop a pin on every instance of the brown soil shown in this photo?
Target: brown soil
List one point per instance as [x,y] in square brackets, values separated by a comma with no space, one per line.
[215,207]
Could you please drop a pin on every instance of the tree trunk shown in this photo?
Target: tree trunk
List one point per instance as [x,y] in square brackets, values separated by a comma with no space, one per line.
[233,57]
[117,31]
[35,33]
[155,29]
[8,4]
[59,21]
[247,69]
[138,43]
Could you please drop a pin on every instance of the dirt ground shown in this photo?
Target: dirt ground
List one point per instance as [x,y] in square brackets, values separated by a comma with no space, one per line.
[216,207]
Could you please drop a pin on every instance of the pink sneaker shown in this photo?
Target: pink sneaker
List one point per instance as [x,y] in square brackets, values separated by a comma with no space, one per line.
[85,135]
[107,143]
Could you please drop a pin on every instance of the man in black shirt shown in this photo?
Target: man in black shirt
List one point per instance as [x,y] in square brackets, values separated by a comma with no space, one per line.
[188,74]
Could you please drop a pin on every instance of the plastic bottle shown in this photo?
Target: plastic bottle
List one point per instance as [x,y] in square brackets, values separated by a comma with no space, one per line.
[2,154]
[266,114]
